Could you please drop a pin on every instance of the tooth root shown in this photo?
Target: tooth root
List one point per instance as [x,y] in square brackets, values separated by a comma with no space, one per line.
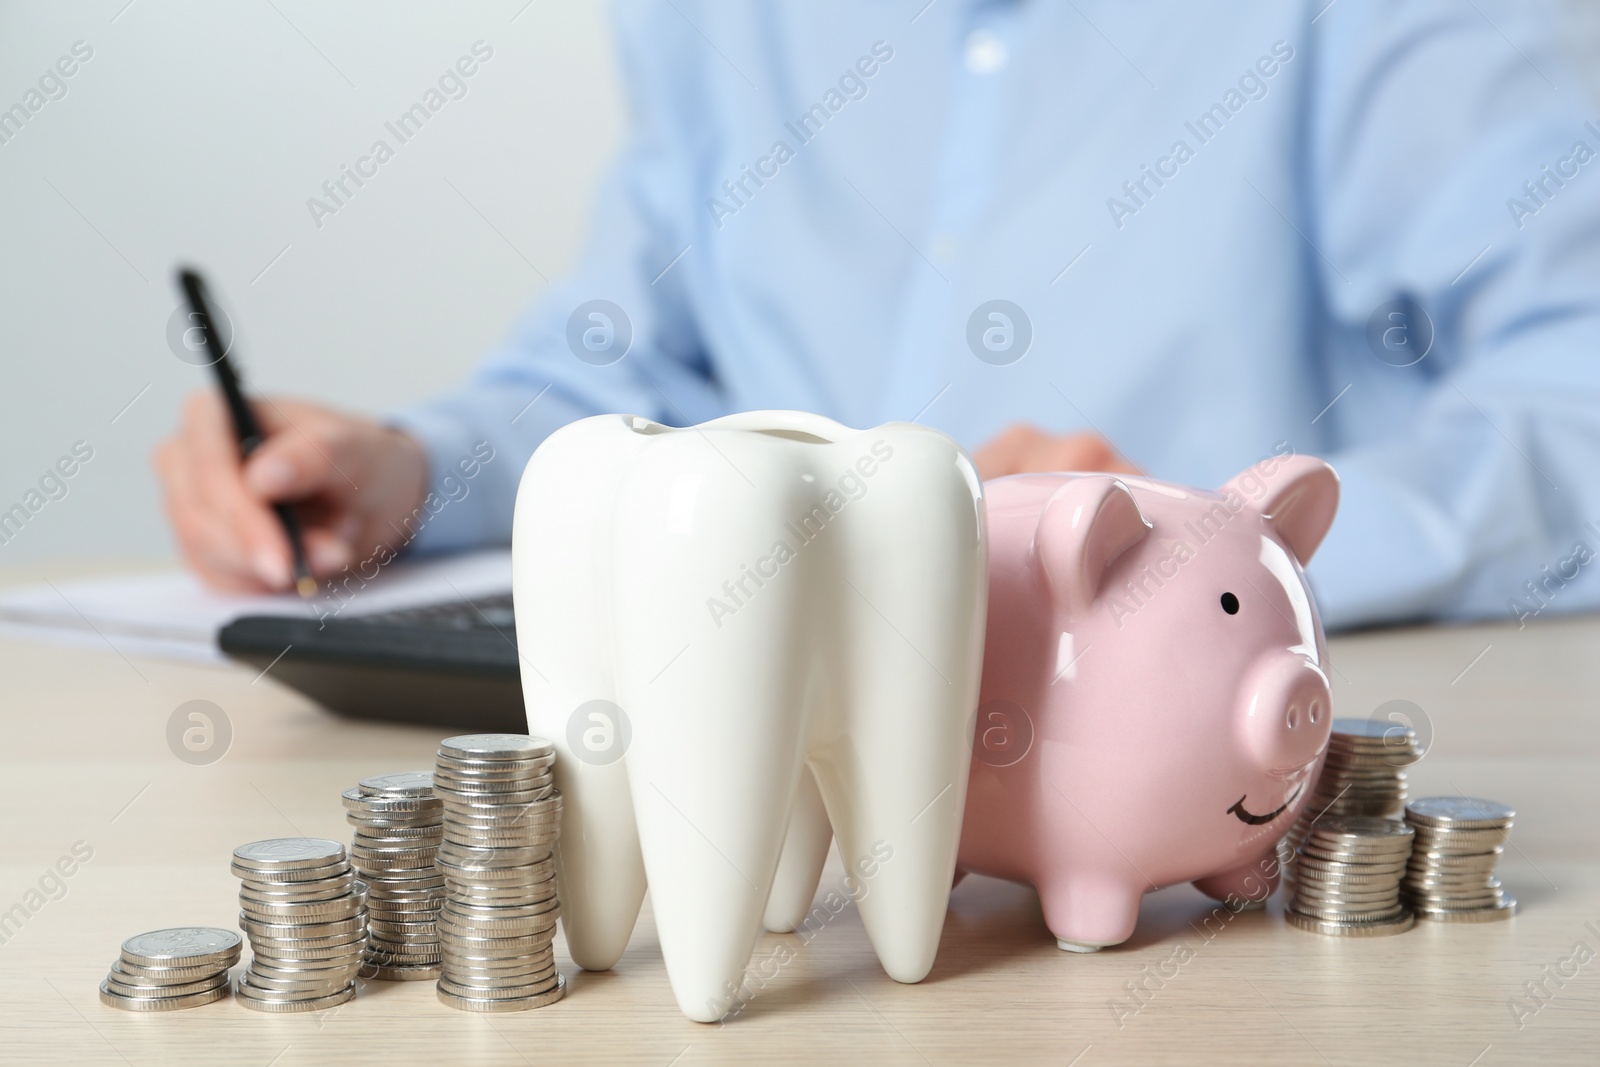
[600,872]
[898,826]
[805,850]
[718,715]
[895,783]
[713,769]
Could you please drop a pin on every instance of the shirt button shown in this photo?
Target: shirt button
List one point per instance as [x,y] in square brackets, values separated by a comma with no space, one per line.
[985,53]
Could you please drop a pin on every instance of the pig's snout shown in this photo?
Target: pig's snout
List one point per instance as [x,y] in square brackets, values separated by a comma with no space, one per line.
[1288,712]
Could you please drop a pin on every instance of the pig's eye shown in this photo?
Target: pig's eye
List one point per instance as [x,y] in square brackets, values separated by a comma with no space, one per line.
[1230,603]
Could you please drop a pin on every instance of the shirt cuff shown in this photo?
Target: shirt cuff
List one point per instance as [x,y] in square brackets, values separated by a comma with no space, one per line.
[471,489]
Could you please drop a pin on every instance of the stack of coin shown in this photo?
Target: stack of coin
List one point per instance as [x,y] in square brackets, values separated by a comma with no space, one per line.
[169,969]
[1450,877]
[1348,877]
[398,829]
[501,819]
[1364,774]
[306,916]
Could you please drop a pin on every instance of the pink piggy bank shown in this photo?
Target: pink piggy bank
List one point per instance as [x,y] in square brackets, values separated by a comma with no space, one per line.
[1154,703]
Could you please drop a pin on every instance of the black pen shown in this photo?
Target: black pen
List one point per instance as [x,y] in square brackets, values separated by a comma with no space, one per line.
[245,427]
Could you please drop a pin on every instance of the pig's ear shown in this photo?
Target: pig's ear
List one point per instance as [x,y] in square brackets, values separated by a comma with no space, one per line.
[1297,497]
[1086,525]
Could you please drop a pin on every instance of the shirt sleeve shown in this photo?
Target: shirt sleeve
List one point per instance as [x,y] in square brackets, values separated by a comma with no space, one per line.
[617,335]
[1453,182]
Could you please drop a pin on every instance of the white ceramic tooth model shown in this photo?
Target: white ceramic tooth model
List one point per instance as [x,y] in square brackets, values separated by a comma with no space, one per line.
[781,607]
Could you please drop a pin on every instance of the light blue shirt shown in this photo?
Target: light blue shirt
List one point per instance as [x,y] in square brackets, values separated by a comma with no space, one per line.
[1366,230]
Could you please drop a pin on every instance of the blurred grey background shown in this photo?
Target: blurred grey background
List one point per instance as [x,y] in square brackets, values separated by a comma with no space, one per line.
[197,132]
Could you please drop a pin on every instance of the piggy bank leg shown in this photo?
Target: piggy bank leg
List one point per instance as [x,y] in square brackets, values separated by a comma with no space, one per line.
[1243,888]
[805,850]
[1087,913]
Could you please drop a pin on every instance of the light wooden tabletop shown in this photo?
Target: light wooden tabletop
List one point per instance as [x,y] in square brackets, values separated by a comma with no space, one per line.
[86,764]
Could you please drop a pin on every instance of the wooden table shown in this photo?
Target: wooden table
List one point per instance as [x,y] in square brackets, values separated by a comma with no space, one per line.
[86,759]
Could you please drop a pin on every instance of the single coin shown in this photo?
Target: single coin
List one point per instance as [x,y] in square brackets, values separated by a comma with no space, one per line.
[250,998]
[188,946]
[416,832]
[1398,925]
[1342,893]
[499,986]
[495,947]
[496,746]
[399,784]
[288,853]
[1462,812]
[1316,859]
[332,928]
[192,1000]
[470,1003]
[118,984]
[462,968]
[1353,915]
[295,877]
[134,973]
[401,974]
[489,766]
[355,801]
[1369,729]
[299,988]
[305,893]
[1350,877]
[1504,909]
[261,968]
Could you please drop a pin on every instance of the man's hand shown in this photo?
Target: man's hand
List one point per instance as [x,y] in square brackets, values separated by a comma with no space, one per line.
[1022,449]
[352,481]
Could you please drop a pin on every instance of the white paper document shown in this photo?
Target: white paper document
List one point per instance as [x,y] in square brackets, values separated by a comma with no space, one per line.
[171,614]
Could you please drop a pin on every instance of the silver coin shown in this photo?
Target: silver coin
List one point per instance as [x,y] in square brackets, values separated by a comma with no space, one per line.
[399,784]
[499,986]
[450,928]
[379,973]
[1398,925]
[134,973]
[122,987]
[496,746]
[1312,861]
[416,832]
[367,805]
[495,947]
[466,912]
[1368,729]
[488,789]
[458,762]
[397,951]
[516,992]
[345,907]
[307,893]
[1504,909]
[192,1000]
[270,969]
[254,999]
[1355,829]
[1463,812]
[465,968]
[288,853]
[1347,896]
[354,925]
[181,945]
[469,1003]
[298,989]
